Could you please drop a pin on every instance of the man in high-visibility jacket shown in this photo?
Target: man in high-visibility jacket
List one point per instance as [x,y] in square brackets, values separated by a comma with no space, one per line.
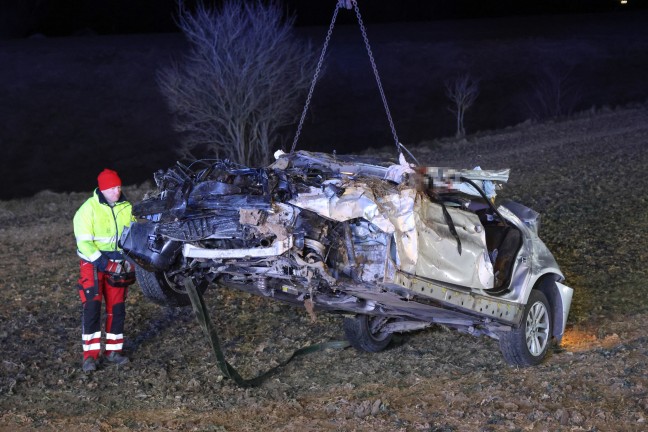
[98,224]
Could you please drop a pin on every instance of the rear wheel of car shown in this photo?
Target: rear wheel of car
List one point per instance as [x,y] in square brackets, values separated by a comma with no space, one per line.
[163,290]
[364,332]
[528,344]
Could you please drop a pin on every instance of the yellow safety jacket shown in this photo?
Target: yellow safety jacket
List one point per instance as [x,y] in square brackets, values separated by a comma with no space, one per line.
[98,226]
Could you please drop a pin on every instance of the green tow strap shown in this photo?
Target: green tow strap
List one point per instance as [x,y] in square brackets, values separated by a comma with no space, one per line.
[202,315]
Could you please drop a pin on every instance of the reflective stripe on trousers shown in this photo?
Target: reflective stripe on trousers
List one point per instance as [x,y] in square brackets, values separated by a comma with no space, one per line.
[91,282]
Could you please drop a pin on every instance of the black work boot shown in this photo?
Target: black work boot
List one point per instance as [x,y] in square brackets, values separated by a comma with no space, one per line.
[116,358]
[89,365]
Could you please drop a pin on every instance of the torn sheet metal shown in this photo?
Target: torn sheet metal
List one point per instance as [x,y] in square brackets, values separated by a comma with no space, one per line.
[425,245]
[477,174]
[450,179]
[398,172]
[341,165]
[274,222]
[357,200]
[528,216]
[430,250]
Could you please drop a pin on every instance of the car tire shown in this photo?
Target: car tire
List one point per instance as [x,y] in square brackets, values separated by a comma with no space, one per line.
[157,288]
[363,333]
[528,345]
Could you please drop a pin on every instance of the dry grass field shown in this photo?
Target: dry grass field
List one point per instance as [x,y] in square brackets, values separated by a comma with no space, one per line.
[585,175]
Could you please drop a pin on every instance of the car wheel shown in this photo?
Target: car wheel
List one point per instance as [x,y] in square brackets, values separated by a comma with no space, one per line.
[162,290]
[528,344]
[364,332]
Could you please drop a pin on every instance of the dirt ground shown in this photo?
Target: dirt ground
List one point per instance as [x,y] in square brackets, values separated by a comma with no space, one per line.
[587,178]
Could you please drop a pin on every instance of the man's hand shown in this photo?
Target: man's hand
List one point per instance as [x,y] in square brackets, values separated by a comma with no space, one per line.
[101,263]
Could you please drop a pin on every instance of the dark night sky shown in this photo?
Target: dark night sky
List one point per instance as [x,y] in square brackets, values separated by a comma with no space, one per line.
[69,17]
[93,92]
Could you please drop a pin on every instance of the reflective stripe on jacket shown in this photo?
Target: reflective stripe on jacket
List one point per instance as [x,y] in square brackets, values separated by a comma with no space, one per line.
[97,226]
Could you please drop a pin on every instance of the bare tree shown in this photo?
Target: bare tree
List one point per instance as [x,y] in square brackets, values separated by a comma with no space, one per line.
[555,93]
[462,92]
[241,82]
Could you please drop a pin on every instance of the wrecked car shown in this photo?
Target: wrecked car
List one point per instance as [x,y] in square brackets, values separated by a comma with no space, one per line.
[393,247]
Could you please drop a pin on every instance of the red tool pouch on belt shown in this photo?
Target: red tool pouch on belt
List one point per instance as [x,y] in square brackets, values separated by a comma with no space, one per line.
[120,273]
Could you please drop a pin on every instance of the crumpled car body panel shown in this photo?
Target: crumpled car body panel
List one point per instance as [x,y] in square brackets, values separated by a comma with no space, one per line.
[353,235]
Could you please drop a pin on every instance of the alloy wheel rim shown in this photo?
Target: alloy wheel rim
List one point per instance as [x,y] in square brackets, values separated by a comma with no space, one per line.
[537,329]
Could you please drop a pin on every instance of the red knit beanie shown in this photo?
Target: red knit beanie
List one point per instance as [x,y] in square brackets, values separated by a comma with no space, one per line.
[108,179]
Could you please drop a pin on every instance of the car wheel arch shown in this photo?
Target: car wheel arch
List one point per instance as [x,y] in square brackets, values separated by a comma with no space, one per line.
[547,285]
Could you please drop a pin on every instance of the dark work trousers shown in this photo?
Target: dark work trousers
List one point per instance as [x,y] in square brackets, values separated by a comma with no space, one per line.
[93,287]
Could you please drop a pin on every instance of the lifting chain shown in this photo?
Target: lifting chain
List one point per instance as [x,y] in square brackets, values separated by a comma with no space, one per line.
[348,4]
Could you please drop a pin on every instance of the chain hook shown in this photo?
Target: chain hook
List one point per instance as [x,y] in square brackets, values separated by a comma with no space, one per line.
[345,4]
